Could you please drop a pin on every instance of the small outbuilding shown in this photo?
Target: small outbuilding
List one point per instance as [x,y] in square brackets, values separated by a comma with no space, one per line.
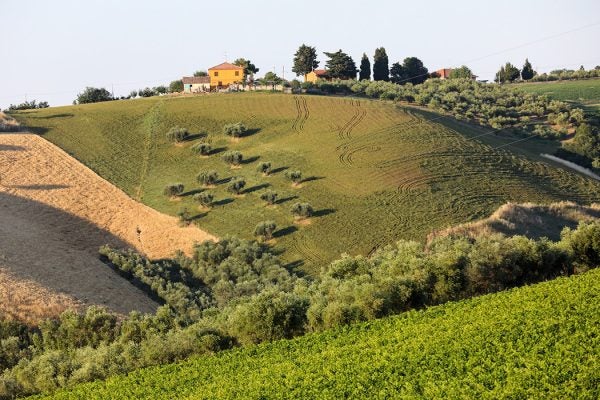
[317,74]
[196,84]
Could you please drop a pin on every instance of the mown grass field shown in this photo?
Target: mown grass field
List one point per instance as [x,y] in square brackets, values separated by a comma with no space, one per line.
[536,342]
[585,92]
[376,172]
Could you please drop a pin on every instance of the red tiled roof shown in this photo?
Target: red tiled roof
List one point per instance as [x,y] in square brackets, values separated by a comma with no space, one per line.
[444,72]
[226,65]
[195,79]
[320,72]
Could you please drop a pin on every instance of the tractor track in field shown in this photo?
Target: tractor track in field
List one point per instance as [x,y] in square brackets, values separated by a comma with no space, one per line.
[302,114]
[150,123]
[345,132]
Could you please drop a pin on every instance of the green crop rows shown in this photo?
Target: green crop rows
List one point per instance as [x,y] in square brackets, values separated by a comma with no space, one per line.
[540,341]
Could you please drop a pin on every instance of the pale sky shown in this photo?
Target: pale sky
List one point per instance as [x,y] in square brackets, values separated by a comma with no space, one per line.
[51,50]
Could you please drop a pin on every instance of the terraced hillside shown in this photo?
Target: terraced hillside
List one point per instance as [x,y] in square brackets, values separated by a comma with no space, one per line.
[374,172]
[536,342]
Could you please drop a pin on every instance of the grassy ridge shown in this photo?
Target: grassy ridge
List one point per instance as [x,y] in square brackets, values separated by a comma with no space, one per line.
[537,342]
[376,172]
[583,91]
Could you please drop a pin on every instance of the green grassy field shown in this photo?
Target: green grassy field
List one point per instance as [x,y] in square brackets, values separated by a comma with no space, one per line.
[536,342]
[585,93]
[377,172]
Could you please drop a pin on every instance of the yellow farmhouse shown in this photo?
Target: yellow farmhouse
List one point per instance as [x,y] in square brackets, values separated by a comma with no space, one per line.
[316,75]
[225,74]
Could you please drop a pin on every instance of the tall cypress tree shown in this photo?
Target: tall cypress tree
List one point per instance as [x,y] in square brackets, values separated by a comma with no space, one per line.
[340,65]
[527,72]
[381,69]
[365,68]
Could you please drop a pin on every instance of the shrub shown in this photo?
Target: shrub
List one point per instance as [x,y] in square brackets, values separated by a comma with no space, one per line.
[204,198]
[264,168]
[177,134]
[203,149]
[173,189]
[294,176]
[265,229]
[270,197]
[184,216]
[233,157]
[235,130]
[302,210]
[236,185]
[207,178]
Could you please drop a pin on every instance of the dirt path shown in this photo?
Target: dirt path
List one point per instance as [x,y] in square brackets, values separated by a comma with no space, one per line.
[54,214]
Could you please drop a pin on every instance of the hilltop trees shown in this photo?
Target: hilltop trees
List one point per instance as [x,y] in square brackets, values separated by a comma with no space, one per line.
[381,70]
[93,95]
[305,60]
[200,73]
[340,65]
[461,72]
[249,68]
[507,73]
[527,72]
[411,70]
[175,86]
[365,68]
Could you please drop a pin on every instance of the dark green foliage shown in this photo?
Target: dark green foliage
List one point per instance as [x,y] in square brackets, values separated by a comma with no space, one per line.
[527,72]
[294,176]
[249,68]
[236,185]
[173,189]
[265,229]
[305,60]
[185,218]
[177,134]
[269,196]
[381,70]
[462,72]
[340,65]
[204,198]
[93,95]
[584,244]
[507,73]
[264,167]
[365,68]
[201,73]
[398,74]
[414,71]
[176,86]
[207,178]
[235,130]
[302,210]
[202,148]
[28,105]
[232,157]
[586,142]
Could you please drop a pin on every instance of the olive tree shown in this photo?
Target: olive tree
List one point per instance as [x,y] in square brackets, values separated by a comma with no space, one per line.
[302,210]
[236,185]
[207,178]
[235,130]
[173,189]
[264,168]
[269,197]
[202,148]
[232,157]
[177,134]
[294,176]
[204,199]
[265,229]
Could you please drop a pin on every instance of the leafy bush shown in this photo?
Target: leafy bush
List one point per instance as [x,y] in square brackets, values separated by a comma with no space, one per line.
[302,210]
[269,196]
[184,216]
[265,229]
[232,157]
[173,189]
[177,134]
[204,198]
[236,185]
[294,176]
[264,168]
[207,178]
[202,148]
[235,130]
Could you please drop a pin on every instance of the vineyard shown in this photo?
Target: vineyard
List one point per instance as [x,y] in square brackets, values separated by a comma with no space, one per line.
[374,172]
[539,341]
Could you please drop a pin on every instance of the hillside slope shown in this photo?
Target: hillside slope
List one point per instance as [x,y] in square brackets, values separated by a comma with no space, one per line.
[537,342]
[56,213]
[374,172]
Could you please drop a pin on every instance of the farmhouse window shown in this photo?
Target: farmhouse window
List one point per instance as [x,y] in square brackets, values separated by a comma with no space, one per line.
[216,73]
[237,73]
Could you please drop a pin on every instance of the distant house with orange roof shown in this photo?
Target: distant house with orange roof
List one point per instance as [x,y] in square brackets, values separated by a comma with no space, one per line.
[316,74]
[444,73]
[224,75]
